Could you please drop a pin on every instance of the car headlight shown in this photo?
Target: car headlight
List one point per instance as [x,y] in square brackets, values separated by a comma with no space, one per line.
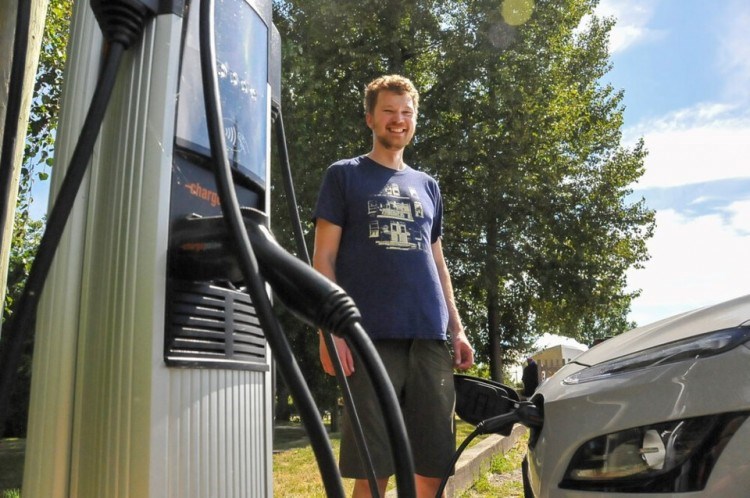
[692,348]
[669,457]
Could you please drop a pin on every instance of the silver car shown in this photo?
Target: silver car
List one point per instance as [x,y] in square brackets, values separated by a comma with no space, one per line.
[659,411]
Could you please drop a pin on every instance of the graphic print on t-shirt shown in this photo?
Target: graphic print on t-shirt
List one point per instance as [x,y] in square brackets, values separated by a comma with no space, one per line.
[393,219]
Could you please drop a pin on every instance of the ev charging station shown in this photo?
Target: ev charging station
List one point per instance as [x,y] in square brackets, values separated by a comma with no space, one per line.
[151,373]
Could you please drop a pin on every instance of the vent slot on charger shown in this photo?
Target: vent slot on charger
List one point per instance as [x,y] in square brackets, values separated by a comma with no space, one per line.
[212,327]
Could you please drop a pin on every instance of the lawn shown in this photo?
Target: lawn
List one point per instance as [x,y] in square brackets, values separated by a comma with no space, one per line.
[11,465]
[504,476]
[295,471]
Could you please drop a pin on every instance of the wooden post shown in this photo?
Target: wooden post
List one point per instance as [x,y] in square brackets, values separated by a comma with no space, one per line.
[11,113]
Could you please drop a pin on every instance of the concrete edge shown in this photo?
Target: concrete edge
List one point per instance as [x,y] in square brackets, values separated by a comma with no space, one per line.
[475,461]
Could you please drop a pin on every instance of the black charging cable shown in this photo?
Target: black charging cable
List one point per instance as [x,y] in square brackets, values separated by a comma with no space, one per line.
[525,412]
[480,429]
[327,310]
[321,303]
[359,436]
[249,265]
[122,23]
[286,175]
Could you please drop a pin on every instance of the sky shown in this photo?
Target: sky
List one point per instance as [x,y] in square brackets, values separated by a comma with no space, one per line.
[684,66]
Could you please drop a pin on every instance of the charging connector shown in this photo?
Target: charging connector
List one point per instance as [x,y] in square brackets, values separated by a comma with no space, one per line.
[202,246]
[123,21]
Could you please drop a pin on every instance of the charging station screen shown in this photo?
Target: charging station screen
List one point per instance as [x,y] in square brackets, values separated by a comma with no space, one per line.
[242,71]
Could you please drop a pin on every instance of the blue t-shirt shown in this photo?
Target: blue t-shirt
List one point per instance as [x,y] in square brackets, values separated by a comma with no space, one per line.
[389,221]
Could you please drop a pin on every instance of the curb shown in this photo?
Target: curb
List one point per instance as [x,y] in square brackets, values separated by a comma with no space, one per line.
[475,461]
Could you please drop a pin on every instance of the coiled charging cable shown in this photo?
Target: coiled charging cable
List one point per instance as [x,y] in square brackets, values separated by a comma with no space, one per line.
[328,312]
[299,237]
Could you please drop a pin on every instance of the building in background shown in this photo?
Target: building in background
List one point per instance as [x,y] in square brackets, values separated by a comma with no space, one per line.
[551,359]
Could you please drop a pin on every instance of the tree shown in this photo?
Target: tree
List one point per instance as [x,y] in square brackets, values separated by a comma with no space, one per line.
[527,141]
[520,129]
[330,50]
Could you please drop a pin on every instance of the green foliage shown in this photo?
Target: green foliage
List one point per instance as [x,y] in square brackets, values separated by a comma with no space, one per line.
[45,107]
[536,180]
[26,237]
[522,132]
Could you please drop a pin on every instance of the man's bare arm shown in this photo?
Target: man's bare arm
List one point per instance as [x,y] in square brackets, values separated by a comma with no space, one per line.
[462,350]
[325,252]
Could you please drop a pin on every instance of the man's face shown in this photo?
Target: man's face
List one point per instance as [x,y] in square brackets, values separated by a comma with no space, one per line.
[393,119]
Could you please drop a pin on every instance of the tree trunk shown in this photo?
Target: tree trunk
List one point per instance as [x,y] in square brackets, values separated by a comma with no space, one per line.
[493,304]
[335,416]
[495,333]
[283,411]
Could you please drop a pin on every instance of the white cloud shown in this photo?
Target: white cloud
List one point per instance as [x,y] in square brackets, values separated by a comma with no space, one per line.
[694,262]
[631,27]
[703,143]
[739,219]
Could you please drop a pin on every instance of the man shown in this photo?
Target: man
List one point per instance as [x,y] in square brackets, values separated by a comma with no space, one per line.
[377,234]
[530,377]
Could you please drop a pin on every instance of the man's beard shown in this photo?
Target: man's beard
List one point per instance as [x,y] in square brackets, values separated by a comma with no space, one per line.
[390,145]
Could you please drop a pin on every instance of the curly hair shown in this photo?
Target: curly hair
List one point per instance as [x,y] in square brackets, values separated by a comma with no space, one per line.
[391,83]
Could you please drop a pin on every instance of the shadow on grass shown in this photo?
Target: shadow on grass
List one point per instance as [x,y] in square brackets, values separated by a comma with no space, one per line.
[288,436]
[291,436]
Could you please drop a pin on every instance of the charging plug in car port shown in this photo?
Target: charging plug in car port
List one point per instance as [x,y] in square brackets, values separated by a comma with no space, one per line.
[535,418]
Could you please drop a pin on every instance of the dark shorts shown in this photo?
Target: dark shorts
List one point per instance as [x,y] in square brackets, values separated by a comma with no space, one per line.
[421,372]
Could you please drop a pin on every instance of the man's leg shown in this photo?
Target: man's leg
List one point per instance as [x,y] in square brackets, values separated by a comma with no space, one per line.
[362,488]
[429,414]
[394,355]
[427,486]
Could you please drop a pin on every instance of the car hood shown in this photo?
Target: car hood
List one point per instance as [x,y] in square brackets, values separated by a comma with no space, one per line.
[708,319]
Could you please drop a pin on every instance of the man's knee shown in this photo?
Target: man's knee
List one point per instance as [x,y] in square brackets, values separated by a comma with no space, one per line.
[427,486]
[362,488]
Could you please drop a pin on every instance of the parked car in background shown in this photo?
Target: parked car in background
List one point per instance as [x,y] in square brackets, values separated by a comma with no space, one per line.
[659,411]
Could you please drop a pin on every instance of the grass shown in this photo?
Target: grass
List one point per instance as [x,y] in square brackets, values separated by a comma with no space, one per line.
[504,476]
[11,466]
[295,471]
[296,474]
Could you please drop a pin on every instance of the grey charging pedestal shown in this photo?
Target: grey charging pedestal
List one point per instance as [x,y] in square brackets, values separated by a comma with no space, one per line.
[151,379]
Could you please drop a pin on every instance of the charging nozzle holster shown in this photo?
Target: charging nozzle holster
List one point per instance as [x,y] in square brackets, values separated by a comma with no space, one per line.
[203,250]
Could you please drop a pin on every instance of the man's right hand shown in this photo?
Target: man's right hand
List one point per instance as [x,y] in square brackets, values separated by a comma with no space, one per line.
[345,355]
